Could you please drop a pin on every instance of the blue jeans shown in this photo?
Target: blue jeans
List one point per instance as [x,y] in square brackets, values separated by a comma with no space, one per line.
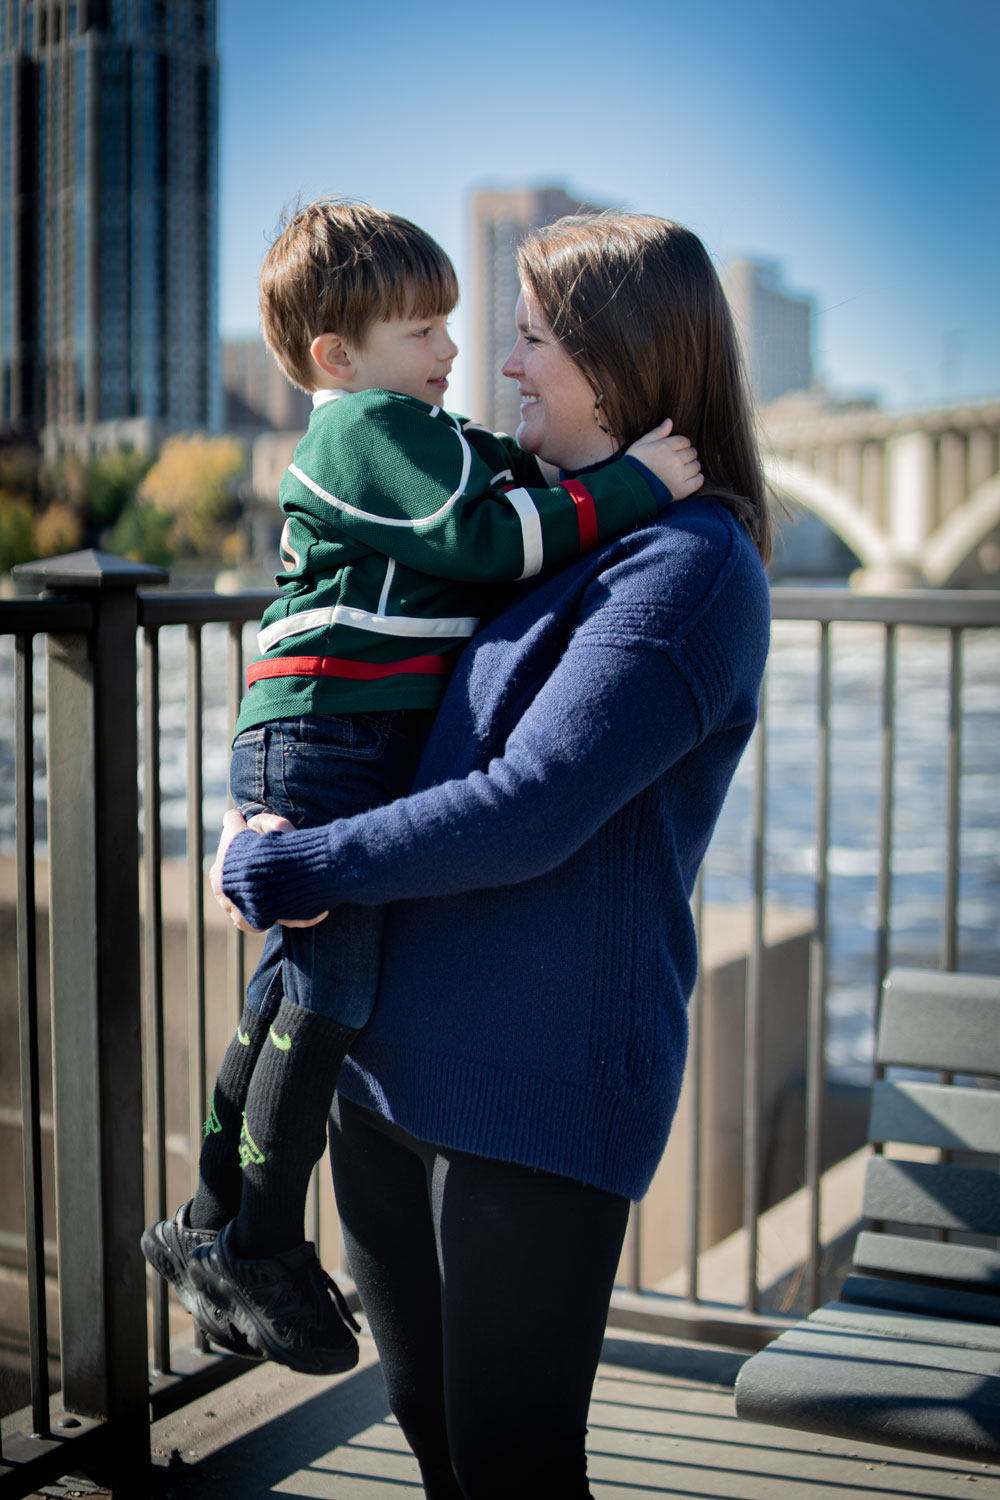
[311,771]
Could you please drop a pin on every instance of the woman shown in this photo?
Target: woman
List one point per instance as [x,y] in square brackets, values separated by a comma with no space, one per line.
[516,1084]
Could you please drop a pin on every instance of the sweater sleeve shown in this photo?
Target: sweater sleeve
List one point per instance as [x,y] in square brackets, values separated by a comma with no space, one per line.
[409,484]
[616,713]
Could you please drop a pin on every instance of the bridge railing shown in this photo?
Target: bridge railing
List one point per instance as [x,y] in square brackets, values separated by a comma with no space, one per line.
[106,997]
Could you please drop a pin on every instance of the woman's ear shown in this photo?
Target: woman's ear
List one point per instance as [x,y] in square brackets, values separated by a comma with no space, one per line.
[333,357]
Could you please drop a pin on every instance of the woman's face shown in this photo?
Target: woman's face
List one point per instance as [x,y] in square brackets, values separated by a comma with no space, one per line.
[558,416]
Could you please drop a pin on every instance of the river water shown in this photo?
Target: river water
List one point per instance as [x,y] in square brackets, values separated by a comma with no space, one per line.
[919,782]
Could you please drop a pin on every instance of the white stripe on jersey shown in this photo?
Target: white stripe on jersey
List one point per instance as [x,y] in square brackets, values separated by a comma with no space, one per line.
[459,627]
[390,573]
[531,531]
[290,558]
[367,515]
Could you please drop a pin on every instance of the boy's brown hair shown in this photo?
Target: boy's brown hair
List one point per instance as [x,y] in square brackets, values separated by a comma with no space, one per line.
[636,303]
[339,266]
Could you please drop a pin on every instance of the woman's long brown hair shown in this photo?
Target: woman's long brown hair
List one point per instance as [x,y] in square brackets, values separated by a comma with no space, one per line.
[636,303]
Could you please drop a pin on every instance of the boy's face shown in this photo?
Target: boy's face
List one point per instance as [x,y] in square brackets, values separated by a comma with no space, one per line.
[410,355]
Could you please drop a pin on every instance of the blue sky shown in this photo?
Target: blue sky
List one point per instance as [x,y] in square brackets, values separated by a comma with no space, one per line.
[857,142]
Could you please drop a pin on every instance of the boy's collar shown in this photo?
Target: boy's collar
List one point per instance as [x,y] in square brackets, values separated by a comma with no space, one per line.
[320,398]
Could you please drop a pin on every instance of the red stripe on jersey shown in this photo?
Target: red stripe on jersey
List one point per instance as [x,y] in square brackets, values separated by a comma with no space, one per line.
[339,666]
[586,512]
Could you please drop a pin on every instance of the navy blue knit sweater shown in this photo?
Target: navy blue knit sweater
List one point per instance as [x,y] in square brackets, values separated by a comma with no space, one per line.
[539,960]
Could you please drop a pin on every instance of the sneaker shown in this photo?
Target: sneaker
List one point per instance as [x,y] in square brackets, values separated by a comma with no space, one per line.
[286,1305]
[169,1246]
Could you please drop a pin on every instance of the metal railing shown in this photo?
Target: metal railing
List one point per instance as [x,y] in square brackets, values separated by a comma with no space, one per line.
[952,614]
[110,1014]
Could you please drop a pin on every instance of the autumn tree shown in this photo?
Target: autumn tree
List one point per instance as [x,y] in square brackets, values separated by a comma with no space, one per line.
[193,483]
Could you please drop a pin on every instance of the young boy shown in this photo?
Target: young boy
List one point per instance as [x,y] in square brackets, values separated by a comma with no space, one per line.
[404,524]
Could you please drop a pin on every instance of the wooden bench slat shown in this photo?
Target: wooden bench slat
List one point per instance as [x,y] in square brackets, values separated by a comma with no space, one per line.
[945,1022]
[910,1354]
[917,1297]
[935,1114]
[948,1411]
[977,1269]
[858,1343]
[890,1323]
[935,1195]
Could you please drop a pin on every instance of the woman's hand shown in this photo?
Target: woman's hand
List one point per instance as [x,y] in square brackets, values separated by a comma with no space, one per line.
[233,824]
[671,458]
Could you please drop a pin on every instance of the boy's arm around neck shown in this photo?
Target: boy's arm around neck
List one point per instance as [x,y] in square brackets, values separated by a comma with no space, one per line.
[404,480]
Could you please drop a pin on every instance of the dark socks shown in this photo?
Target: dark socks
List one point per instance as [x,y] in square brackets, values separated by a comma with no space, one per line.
[220,1181]
[284,1127]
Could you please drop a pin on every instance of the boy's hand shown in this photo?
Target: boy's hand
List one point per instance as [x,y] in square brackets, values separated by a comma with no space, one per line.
[671,458]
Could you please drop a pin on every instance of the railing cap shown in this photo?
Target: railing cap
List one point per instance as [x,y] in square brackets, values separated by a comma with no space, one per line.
[89,569]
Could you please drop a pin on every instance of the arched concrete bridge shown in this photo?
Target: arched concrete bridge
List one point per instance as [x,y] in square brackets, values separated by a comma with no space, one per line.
[915,495]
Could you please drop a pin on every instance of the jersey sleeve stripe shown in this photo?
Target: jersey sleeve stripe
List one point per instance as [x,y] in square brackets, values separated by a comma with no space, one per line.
[586,512]
[531,531]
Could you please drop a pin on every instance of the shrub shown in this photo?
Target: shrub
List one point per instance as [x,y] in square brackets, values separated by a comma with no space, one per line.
[17,531]
[143,533]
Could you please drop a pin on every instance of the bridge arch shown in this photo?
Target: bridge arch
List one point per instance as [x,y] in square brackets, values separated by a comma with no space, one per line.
[956,538]
[837,509]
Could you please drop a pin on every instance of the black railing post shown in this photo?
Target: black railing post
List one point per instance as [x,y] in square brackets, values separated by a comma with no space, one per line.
[93,802]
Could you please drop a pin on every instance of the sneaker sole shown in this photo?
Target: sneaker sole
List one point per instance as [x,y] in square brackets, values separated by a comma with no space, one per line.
[164,1263]
[208,1319]
[228,1304]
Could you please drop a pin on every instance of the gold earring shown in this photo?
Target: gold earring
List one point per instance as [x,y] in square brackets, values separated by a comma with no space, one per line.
[597,412]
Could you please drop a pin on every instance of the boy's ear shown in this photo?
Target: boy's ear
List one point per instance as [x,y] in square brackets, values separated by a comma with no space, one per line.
[332,355]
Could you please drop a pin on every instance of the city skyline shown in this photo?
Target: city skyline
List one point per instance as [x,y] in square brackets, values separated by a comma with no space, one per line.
[499,222]
[854,148]
[776,326]
[108,220]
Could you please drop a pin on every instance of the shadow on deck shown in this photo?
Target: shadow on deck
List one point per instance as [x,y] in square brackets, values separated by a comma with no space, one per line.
[662,1423]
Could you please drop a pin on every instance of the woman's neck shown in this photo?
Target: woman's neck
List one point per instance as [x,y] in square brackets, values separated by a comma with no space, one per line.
[592,453]
[597,463]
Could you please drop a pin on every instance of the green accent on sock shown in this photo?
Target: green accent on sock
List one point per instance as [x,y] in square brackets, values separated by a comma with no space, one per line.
[250,1153]
[281,1042]
[242,1037]
[213,1124]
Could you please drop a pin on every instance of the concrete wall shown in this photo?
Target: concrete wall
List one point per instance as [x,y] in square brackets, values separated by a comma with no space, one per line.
[725,943]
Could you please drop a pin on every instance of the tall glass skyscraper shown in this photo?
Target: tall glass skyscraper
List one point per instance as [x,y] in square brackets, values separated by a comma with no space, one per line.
[500,220]
[775,325]
[108,216]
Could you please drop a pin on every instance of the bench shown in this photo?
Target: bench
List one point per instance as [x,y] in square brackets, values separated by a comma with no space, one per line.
[909,1355]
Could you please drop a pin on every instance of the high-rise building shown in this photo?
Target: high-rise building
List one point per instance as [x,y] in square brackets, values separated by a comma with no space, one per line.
[108,218]
[257,395]
[500,220]
[775,325]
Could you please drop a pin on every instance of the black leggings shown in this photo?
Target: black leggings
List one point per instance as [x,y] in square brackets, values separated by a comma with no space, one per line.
[486,1286]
